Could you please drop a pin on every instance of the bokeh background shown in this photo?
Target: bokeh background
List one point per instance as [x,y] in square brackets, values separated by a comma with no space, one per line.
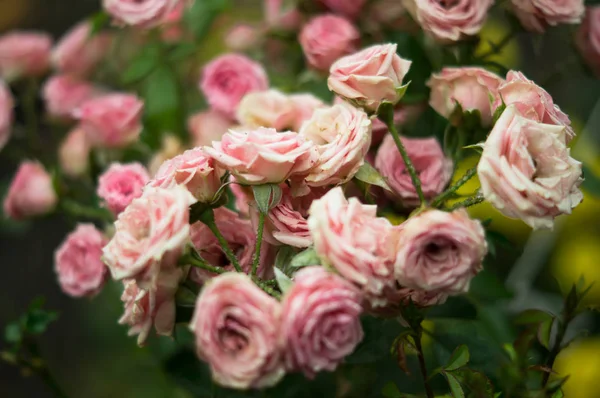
[90,354]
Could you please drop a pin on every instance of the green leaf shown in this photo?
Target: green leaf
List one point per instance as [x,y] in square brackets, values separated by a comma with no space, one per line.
[283,260]
[266,196]
[200,16]
[141,66]
[37,321]
[283,281]
[455,387]
[477,382]
[544,331]
[98,22]
[390,390]
[400,91]
[185,297]
[305,258]
[459,358]
[367,174]
[529,317]
[13,333]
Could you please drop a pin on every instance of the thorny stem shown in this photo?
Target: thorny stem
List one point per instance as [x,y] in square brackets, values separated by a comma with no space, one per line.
[259,238]
[448,192]
[198,263]
[472,201]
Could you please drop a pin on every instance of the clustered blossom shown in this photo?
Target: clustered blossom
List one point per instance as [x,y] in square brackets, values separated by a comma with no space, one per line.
[536,15]
[24,54]
[141,13]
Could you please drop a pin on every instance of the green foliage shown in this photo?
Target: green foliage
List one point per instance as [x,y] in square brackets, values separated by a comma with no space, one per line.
[199,18]
[367,174]
[266,196]
[305,258]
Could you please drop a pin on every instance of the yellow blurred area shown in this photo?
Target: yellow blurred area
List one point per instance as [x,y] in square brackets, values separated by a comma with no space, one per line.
[12,13]
[581,361]
[494,31]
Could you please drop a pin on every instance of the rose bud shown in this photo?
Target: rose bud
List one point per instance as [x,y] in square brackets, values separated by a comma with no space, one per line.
[440,251]
[320,323]
[78,262]
[536,15]
[228,78]
[121,184]
[112,120]
[207,126]
[348,8]
[271,109]
[31,192]
[242,38]
[64,94]
[432,166]
[526,171]
[305,105]
[141,13]
[7,105]
[588,38]
[24,54]
[369,77]
[342,135]
[326,38]
[74,153]
[237,326]
[469,87]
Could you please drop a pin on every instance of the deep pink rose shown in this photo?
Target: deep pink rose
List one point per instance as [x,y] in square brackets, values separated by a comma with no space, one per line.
[536,15]
[31,192]
[440,251]
[526,170]
[74,153]
[237,328]
[369,77]
[305,104]
[228,78]
[263,156]
[433,167]
[325,38]
[242,38]
[78,262]
[64,95]
[588,38]
[141,13]
[271,109]
[78,52]
[24,54]
[320,323]
[348,8]
[471,87]
[7,105]
[121,184]
[112,120]
[149,235]
[207,126]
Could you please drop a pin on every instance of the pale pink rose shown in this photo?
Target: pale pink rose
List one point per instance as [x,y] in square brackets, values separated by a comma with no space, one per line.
[78,262]
[440,251]
[325,38]
[278,18]
[141,13]
[120,184]
[432,166]
[228,78]
[526,170]
[243,196]
[472,88]
[369,77]
[144,308]
[320,323]
[450,21]
[149,235]
[342,135]
[24,54]
[207,126]
[271,108]
[532,101]
[305,105]
[74,153]
[172,29]
[237,327]
[349,237]
[348,8]
[588,38]
[31,192]
[263,156]
[7,105]
[64,94]
[536,15]
[112,120]
[242,38]
[78,52]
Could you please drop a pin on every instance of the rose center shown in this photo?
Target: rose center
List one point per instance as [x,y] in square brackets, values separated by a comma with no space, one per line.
[231,336]
[439,251]
[447,4]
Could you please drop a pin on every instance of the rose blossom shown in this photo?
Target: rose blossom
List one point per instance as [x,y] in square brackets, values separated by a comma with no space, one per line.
[149,235]
[305,105]
[242,38]
[24,54]
[228,78]
[237,327]
[263,156]
[207,126]
[112,120]
[326,38]
[588,38]
[342,135]
[78,262]
[172,29]
[440,251]
[31,192]
[369,77]
[278,18]
[526,171]
[64,94]
[142,13]
[536,15]
[271,109]
[320,322]
[171,147]
[347,8]
[470,87]
[121,184]
[432,166]
[7,104]
[74,153]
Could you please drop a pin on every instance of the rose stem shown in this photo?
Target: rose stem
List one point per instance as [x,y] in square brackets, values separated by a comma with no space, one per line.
[208,218]
[259,238]
[472,201]
[78,210]
[190,259]
[266,288]
[422,365]
[463,180]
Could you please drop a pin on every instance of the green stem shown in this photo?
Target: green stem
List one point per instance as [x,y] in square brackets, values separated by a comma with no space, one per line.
[78,210]
[448,192]
[51,382]
[266,288]
[558,342]
[208,218]
[192,260]
[496,48]
[422,365]
[472,201]
[259,238]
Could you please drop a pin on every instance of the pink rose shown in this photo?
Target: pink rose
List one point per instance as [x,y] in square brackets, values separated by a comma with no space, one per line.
[112,120]
[64,95]
[78,52]
[7,105]
[278,18]
[263,156]
[74,153]
[78,262]
[426,154]
[348,8]
[471,87]
[450,21]
[326,38]
[194,170]
[536,15]
[440,251]
[369,77]
[172,29]
[588,38]
[243,196]
[121,184]
[207,126]
[349,237]
[342,135]
[242,38]
[171,147]
[142,13]
[149,235]
[320,323]
[526,171]
[24,54]
[271,109]
[228,78]
[305,105]
[237,329]
[31,192]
